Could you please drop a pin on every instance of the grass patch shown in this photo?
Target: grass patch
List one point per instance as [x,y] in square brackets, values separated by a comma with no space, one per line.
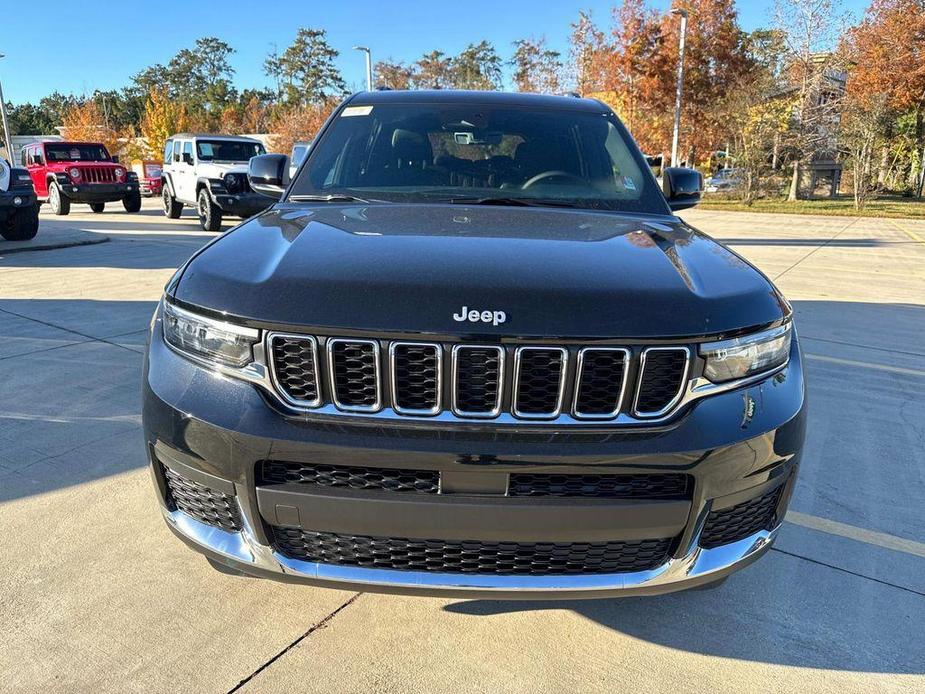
[884,206]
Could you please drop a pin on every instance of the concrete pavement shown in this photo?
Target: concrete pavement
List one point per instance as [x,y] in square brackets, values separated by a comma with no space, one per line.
[96,594]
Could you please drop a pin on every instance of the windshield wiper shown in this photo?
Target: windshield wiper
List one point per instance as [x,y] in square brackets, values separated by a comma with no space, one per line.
[336,197]
[512,202]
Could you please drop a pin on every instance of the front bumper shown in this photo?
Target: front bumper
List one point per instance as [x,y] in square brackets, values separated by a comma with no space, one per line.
[736,447]
[98,192]
[242,205]
[8,204]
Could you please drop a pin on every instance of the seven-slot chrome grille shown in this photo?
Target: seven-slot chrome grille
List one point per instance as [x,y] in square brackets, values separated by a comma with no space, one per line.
[473,381]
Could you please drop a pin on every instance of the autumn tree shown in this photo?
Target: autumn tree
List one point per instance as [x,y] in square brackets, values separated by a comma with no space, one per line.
[85,122]
[536,67]
[163,117]
[478,66]
[433,71]
[305,71]
[590,55]
[393,75]
[297,122]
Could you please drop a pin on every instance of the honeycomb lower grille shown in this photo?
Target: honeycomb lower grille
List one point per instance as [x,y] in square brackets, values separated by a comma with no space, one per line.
[670,486]
[540,374]
[472,557]
[202,503]
[350,477]
[355,373]
[662,379]
[740,521]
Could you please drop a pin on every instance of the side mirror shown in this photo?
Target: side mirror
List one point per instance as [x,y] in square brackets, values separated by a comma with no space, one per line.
[187,158]
[268,174]
[681,187]
[115,159]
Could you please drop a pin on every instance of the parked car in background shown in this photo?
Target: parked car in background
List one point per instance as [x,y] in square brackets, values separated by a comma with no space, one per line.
[19,207]
[149,177]
[724,180]
[80,172]
[299,150]
[209,172]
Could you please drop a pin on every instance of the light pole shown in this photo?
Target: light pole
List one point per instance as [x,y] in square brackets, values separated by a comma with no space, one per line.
[6,124]
[679,88]
[369,66]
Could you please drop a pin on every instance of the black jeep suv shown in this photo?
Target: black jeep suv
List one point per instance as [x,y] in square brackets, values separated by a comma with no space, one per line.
[471,351]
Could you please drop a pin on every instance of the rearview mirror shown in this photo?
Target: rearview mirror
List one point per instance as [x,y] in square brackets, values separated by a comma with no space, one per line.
[681,187]
[268,174]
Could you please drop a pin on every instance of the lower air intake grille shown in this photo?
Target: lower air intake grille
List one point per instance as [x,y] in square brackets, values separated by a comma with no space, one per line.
[350,477]
[740,521]
[663,373]
[202,503]
[355,368]
[472,557]
[671,486]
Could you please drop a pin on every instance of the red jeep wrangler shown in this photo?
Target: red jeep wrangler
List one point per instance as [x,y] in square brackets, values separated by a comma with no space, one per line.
[82,172]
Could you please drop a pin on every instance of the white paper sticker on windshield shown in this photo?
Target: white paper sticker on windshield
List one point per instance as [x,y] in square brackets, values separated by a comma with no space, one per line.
[356,111]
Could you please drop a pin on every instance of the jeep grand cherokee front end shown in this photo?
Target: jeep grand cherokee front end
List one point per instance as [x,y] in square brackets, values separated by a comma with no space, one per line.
[472,352]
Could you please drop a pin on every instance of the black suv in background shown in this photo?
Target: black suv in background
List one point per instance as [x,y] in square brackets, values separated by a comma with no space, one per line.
[471,351]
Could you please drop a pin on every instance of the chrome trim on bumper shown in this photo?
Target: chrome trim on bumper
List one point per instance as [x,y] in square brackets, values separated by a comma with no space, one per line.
[242,551]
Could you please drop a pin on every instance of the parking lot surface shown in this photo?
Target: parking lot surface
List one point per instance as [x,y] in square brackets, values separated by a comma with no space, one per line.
[97,595]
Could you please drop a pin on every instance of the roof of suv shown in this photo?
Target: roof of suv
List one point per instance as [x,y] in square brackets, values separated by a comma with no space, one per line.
[214,136]
[450,96]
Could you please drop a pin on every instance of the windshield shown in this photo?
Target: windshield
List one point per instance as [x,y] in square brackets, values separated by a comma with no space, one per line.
[78,152]
[227,150]
[427,152]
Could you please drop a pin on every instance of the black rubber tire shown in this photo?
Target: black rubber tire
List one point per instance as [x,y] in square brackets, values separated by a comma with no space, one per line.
[172,208]
[22,224]
[210,215]
[97,207]
[132,202]
[59,204]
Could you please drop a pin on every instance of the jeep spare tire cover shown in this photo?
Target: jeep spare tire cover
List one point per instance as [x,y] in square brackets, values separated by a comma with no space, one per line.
[4,175]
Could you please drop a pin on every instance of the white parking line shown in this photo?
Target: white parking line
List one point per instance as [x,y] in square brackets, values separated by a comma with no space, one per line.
[853,532]
[867,365]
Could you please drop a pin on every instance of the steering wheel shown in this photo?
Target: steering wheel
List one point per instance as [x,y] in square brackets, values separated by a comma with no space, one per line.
[557,173]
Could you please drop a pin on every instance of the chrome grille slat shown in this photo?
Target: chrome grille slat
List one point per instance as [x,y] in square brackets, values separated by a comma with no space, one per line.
[353,372]
[600,382]
[478,377]
[417,377]
[294,368]
[539,381]
[662,378]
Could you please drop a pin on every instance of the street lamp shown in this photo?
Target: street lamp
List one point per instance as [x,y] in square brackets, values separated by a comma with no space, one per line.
[678,89]
[6,124]
[369,66]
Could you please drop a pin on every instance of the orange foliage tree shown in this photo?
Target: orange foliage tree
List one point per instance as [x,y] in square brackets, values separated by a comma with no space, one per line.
[293,123]
[84,122]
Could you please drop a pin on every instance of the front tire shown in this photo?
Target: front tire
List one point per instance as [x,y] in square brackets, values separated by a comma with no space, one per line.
[98,207]
[210,216]
[58,203]
[172,208]
[22,225]
[132,202]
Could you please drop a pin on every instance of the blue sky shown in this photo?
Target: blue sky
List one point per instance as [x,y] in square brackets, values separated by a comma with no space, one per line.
[76,47]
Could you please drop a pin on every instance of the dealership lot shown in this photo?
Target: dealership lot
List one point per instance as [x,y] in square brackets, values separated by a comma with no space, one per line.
[96,594]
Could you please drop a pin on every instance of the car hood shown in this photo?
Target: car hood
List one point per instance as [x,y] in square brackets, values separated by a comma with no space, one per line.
[217,170]
[553,272]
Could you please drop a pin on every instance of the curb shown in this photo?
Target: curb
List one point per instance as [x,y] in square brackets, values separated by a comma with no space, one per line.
[53,246]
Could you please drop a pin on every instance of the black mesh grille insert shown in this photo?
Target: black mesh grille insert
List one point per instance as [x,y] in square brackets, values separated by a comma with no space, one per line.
[662,377]
[356,374]
[478,379]
[601,382]
[740,521]
[669,486]
[472,557]
[295,365]
[201,502]
[350,477]
[539,381]
[416,374]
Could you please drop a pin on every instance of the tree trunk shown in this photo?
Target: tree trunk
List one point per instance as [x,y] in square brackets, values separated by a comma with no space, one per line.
[795,183]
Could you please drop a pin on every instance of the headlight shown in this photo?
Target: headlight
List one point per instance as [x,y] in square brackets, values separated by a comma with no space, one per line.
[739,357]
[120,173]
[233,182]
[74,172]
[210,339]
